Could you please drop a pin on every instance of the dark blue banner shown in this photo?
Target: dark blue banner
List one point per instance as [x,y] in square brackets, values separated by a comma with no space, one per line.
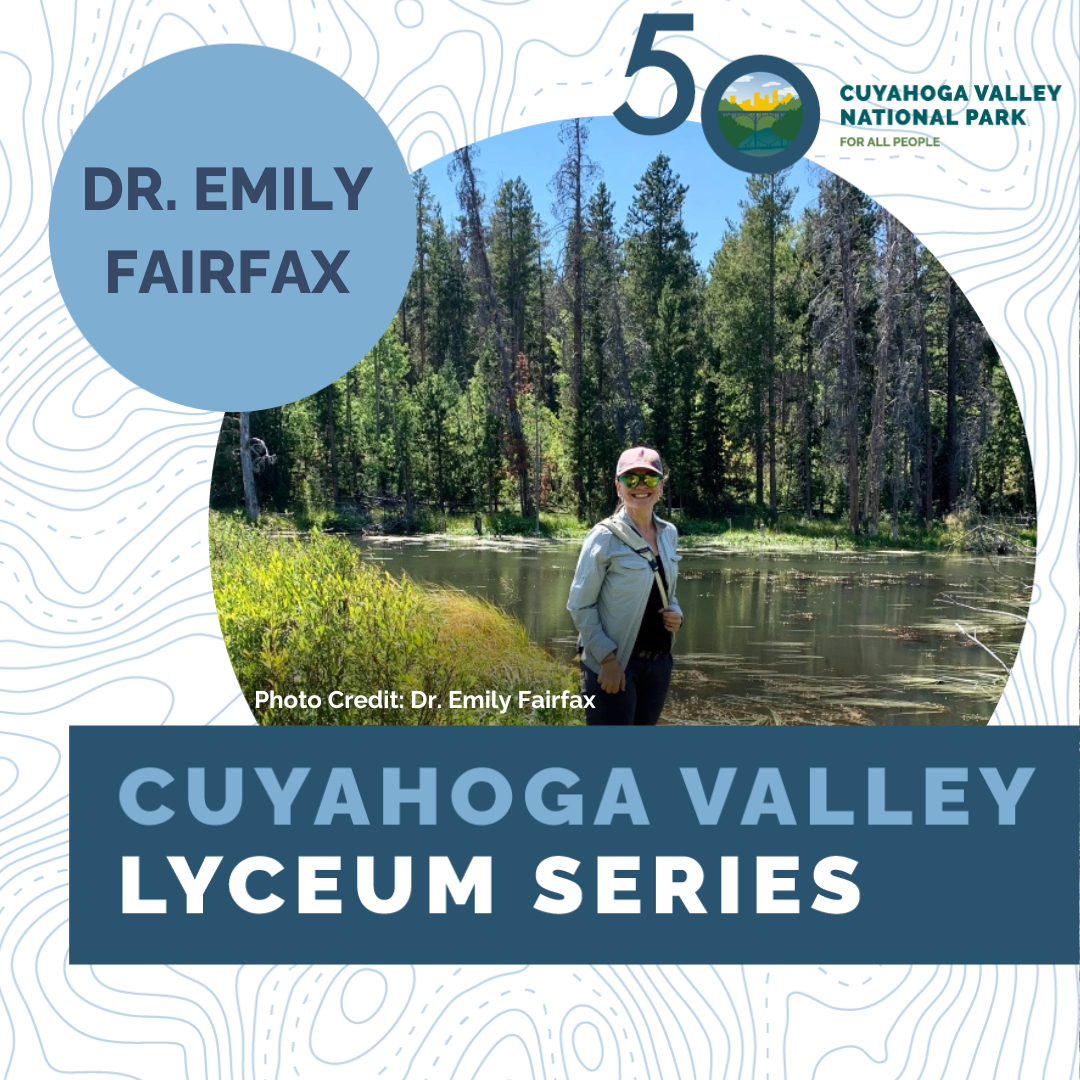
[571,845]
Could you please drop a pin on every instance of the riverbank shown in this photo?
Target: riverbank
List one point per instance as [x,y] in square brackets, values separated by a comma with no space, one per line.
[773,634]
[303,617]
[958,533]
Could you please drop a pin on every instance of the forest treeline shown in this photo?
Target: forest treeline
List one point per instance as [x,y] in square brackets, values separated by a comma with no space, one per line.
[823,363]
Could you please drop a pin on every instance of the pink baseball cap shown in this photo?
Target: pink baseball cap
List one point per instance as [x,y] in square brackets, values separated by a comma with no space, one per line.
[639,457]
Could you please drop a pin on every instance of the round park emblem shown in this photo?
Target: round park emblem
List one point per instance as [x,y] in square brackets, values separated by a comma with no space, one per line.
[760,114]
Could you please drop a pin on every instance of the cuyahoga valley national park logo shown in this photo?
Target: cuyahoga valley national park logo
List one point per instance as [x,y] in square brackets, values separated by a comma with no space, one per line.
[760,114]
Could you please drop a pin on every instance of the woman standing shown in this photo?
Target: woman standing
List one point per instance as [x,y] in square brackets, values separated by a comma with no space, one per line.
[622,600]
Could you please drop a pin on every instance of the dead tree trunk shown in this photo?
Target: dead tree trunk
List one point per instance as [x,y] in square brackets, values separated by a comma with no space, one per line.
[807,432]
[247,469]
[770,373]
[575,242]
[491,318]
[848,355]
[952,426]
[924,372]
[331,442]
[421,284]
[886,332]
[900,440]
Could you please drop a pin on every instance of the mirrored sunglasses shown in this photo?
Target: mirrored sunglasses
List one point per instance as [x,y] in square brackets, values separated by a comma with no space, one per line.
[631,480]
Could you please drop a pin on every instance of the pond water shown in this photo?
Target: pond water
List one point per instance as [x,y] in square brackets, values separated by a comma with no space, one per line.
[780,637]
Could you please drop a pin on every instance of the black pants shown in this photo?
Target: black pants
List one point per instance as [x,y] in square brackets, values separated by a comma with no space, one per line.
[642,701]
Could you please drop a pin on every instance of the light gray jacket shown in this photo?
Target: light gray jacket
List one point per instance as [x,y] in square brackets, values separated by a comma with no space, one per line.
[611,587]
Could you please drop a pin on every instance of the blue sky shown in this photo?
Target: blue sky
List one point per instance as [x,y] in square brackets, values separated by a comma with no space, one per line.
[763,82]
[534,153]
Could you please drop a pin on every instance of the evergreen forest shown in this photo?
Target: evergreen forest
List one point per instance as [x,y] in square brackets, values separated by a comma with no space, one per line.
[820,365]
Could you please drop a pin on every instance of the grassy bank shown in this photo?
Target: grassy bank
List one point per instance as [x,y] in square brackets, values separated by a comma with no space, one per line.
[305,613]
[958,533]
[743,531]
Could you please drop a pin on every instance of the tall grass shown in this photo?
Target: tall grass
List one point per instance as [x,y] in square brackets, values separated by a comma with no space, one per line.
[309,615]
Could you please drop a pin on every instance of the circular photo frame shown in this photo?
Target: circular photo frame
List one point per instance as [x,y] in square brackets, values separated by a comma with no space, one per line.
[385,551]
[779,159]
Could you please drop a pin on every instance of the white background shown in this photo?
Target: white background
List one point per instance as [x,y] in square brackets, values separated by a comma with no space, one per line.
[107,616]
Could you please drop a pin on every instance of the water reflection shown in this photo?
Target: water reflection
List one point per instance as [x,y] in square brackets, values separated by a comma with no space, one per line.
[782,638]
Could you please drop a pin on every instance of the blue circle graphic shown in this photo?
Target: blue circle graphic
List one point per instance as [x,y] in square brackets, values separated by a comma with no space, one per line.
[783,159]
[232,227]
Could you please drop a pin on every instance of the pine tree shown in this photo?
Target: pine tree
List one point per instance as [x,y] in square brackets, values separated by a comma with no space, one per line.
[450,308]
[570,184]
[766,219]
[659,260]
[514,246]
[416,298]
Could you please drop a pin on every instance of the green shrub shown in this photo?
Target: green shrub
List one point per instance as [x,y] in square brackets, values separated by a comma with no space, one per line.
[309,614]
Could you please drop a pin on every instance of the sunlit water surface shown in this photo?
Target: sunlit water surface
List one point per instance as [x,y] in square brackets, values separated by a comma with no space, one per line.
[781,637]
